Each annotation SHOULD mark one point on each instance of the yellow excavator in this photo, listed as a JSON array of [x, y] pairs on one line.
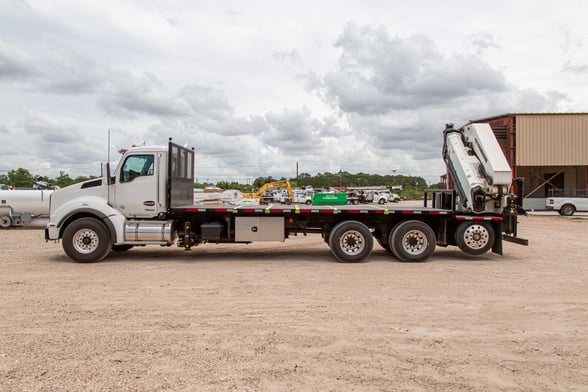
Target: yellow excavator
[[265, 196]]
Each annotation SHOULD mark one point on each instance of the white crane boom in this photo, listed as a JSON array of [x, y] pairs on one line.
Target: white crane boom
[[478, 166]]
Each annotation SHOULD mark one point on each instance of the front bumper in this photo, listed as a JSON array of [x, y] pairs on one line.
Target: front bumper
[[51, 232]]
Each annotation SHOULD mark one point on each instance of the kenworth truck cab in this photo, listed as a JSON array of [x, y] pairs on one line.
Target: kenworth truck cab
[[131, 207]]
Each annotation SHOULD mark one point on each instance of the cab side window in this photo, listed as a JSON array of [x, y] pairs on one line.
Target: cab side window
[[137, 166]]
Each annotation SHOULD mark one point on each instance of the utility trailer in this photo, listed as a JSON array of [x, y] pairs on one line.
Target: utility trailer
[[149, 201]]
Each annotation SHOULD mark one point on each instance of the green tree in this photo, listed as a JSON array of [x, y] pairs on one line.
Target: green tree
[[231, 185], [260, 181], [438, 185], [20, 178], [304, 179], [63, 180]]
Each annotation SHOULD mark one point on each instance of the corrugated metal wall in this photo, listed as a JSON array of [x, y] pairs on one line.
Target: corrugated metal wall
[[552, 139]]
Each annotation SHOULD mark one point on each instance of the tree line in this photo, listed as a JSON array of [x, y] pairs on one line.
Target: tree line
[[404, 185], [22, 178]]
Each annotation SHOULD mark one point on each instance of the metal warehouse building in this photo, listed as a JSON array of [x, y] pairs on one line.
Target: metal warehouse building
[[550, 150]]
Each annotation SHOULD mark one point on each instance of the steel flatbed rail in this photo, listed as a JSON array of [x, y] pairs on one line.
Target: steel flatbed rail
[[304, 209], [327, 209]]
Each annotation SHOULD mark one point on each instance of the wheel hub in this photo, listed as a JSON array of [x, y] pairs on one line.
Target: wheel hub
[[352, 242], [415, 242], [85, 241], [476, 236]]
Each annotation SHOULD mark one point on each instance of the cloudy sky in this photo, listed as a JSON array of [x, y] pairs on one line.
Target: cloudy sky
[[256, 86]]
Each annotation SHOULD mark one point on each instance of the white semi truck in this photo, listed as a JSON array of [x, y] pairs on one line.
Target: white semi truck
[[148, 200]]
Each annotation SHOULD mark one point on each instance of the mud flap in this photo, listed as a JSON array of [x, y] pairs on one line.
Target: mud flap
[[497, 246]]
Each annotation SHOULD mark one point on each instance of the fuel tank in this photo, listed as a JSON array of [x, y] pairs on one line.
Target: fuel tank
[[33, 201]]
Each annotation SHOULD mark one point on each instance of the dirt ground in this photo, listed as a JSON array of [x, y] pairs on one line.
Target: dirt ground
[[286, 316]]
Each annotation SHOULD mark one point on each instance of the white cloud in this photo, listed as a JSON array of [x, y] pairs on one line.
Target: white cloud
[[257, 86]]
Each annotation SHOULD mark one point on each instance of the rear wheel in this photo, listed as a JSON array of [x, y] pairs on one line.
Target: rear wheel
[[86, 240], [474, 238], [567, 210], [351, 241], [412, 241]]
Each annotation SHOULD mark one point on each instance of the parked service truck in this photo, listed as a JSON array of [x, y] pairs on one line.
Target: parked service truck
[[381, 197], [148, 200]]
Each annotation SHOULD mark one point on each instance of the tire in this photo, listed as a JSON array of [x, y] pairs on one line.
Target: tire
[[5, 221], [474, 238], [86, 240], [351, 242], [121, 248], [308, 202], [381, 201], [567, 210], [412, 241]]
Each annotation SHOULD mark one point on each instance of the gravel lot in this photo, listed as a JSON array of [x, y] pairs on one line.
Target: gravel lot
[[286, 316]]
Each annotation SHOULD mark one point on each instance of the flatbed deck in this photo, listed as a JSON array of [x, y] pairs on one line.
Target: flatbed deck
[[281, 209], [303, 209]]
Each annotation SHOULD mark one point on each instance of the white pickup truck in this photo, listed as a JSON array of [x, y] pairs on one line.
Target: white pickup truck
[[566, 205]]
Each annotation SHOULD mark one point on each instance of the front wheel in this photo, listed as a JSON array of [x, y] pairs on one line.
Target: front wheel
[[412, 241], [351, 241], [567, 210], [474, 238], [86, 240]]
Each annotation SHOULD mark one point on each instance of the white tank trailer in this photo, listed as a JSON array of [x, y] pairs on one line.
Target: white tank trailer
[[27, 207]]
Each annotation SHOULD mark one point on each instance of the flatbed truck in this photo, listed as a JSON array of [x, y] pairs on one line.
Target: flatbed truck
[[148, 200]]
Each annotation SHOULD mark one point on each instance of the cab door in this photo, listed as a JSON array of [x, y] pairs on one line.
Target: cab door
[[137, 189]]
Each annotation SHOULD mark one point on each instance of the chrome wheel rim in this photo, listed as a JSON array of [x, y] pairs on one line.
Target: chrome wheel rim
[[352, 242], [85, 241], [415, 242], [476, 236]]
